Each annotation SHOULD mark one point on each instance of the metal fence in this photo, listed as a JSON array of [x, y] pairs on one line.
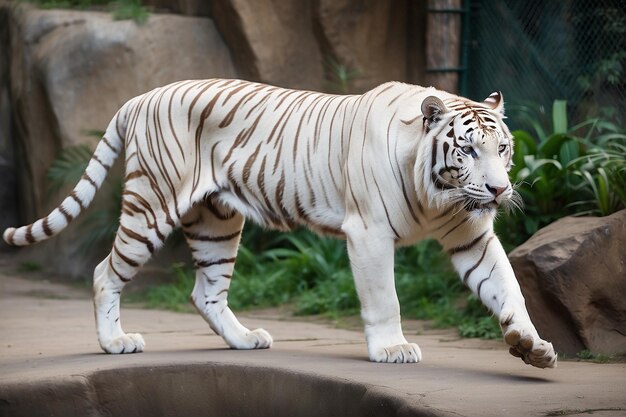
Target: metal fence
[[536, 51]]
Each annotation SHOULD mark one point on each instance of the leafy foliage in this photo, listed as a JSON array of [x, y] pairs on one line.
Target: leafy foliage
[[341, 76], [172, 296], [101, 223], [68, 166], [129, 10], [578, 170], [120, 9]]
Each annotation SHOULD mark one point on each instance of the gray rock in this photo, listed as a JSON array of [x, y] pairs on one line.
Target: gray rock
[[72, 70], [573, 276], [68, 73]]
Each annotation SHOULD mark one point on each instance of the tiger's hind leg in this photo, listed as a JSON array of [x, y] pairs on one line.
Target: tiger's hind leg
[[143, 229], [213, 235]]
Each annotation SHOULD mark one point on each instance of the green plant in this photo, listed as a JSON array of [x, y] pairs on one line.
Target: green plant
[[572, 170], [120, 9], [129, 10], [101, 223], [68, 166], [341, 76], [171, 296], [486, 327], [585, 354], [66, 4], [29, 266]]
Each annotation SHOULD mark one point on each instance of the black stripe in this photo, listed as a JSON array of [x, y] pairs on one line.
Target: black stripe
[[480, 284], [78, 200], [124, 257], [468, 246], [469, 271], [67, 215], [134, 235], [107, 143], [454, 228], [206, 264], [87, 178], [10, 237], [124, 279], [46, 227], [29, 234], [106, 167], [205, 238], [382, 200]]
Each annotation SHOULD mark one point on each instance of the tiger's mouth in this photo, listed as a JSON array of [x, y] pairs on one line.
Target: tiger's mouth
[[478, 206]]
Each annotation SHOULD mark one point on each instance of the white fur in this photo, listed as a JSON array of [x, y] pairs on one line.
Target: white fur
[[358, 167]]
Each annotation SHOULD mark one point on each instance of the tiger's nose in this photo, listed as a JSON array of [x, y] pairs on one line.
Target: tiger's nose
[[496, 191]]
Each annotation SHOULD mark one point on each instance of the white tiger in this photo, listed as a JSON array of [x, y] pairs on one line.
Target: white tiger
[[384, 169]]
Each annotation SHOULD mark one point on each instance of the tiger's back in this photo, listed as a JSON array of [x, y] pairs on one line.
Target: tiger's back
[[276, 155]]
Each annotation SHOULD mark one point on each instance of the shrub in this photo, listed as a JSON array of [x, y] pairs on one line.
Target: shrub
[[579, 170], [120, 9]]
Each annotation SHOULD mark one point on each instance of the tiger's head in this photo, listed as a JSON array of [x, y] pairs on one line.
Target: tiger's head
[[470, 155]]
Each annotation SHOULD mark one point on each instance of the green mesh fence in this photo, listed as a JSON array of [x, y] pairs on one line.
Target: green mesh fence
[[537, 51]]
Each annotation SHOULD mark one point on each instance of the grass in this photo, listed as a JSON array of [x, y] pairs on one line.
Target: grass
[[29, 266], [588, 356], [120, 9], [129, 10], [577, 411], [313, 276]]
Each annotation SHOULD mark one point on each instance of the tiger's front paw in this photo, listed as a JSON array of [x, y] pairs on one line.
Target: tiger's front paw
[[527, 345], [402, 353], [253, 339], [127, 343]]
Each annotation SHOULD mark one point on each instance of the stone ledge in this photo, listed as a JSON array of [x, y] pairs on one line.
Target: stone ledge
[[46, 340]]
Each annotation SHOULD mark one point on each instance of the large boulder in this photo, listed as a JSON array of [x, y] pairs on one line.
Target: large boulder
[[573, 276], [68, 73], [72, 70]]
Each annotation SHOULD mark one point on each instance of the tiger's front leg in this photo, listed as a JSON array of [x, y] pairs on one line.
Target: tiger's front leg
[[484, 267], [371, 254]]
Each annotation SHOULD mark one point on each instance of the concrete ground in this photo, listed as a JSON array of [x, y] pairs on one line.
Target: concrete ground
[[47, 336]]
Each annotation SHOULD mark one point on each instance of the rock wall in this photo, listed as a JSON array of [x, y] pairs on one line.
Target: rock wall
[[68, 73], [8, 170], [71, 71], [64, 73], [272, 41]]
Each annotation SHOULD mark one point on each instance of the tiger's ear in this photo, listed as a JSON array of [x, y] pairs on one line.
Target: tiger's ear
[[432, 109], [495, 101]]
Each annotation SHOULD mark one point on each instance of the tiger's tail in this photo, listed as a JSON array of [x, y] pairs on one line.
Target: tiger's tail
[[107, 151]]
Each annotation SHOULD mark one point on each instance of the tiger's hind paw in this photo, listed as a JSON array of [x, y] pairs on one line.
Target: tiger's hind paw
[[127, 343], [532, 350]]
